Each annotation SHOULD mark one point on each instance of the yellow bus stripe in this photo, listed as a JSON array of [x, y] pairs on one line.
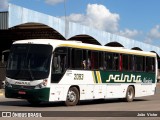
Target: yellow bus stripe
[[132, 52], [98, 76]]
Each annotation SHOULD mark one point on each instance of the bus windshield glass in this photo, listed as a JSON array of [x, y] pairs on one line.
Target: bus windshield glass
[[29, 61]]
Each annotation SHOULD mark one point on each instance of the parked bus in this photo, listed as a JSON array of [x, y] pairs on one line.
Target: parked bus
[[53, 70]]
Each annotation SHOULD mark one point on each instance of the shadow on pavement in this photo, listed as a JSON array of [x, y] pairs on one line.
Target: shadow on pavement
[[22, 103]]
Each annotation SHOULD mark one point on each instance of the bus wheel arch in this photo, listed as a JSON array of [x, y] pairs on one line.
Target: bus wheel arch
[[130, 93], [73, 96]]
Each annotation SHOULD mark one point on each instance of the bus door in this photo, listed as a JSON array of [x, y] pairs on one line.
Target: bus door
[[59, 64]]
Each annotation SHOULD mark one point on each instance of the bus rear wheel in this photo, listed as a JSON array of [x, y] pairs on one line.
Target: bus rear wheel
[[130, 94], [72, 97]]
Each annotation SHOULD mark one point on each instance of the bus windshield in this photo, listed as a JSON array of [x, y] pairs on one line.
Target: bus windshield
[[29, 61]]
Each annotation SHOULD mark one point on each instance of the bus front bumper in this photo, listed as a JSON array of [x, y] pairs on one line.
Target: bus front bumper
[[29, 94]]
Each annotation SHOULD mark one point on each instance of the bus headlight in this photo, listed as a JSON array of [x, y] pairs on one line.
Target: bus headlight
[[41, 85], [7, 84]]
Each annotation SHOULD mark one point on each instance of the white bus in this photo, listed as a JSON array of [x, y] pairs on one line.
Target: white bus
[[53, 70]]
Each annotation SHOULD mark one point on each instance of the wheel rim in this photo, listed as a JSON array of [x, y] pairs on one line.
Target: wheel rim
[[130, 94], [71, 96]]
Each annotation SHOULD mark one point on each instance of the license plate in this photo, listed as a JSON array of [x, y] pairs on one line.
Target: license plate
[[22, 92]]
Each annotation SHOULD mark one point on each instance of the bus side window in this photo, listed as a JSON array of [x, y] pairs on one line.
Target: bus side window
[[101, 60], [92, 60], [125, 63], [84, 60], [95, 60], [78, 58], [131, 63], [150, 64], [121, 62], [89, 60], [139, 63], [115, 61], [59, 63], [108, 61]]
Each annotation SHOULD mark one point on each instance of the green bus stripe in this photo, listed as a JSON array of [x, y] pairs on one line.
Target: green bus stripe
[[95, 76]]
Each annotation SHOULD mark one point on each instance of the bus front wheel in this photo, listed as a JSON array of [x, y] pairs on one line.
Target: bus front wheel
[[72, 97], [130, 94]]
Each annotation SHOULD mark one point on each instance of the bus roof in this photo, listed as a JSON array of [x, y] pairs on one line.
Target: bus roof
[[77, 44]]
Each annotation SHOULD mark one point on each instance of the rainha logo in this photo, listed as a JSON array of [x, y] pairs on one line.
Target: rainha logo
[[124, 78]]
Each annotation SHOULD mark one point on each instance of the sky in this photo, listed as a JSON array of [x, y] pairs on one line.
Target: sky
[[134, 19]]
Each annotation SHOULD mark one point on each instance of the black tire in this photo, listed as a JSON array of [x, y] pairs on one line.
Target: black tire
[[130, 94], [72, 98]]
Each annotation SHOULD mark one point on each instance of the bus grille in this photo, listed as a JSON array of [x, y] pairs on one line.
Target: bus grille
[[22, 87]]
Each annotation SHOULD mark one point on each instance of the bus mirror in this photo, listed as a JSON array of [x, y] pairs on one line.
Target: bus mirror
[[2, 59], [5, 54]]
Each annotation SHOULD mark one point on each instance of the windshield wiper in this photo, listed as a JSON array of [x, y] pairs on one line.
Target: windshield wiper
[[30, 72], [29, 66]]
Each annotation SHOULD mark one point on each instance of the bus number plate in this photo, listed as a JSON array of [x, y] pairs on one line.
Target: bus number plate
[[78, 76], [22, 92]]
